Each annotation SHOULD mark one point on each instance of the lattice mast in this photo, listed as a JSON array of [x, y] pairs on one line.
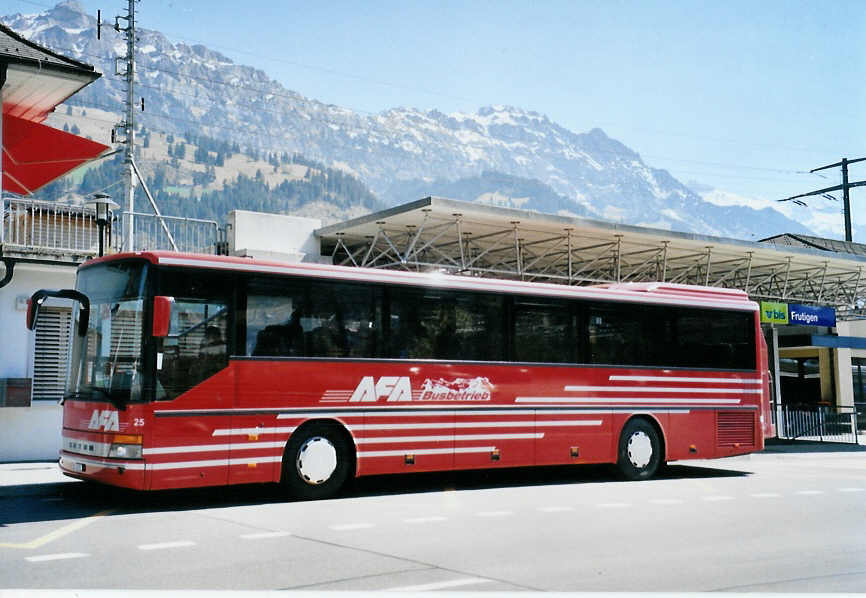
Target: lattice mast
[[125, 66]]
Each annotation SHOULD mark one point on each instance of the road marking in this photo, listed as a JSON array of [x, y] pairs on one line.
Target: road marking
[[850, 489], [56, 557], [454, 583], [555, 509], [54, 499], [766, 495], [809, 492], [425, 519], [717, 498], [613, 505], [667, 501], [263, 535], [495, 514], [350, 526], [58, 533], [161, 545]]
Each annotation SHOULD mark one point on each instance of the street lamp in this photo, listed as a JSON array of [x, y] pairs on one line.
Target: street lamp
[[103, 205]]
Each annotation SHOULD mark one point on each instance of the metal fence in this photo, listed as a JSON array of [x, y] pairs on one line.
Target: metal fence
[[822, 424], [34, 226], [190, 235]]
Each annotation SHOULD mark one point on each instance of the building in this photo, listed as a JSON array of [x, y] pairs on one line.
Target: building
[[818, 361], [40, 243]]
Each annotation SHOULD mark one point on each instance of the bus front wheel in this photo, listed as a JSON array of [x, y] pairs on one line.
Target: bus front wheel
[[640, 450], [317, 461]]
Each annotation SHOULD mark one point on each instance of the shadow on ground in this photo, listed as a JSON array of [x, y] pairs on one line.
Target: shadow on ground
[[777, 445], [75, 499]]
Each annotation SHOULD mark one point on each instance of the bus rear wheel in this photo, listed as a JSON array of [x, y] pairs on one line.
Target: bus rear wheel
[[317, 461], [640, 450]]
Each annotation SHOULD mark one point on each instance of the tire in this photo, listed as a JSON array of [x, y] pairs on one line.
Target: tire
[[640, 450], [317, 461]]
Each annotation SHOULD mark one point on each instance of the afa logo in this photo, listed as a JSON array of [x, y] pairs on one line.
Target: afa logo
[[399, 389], [106, 420], [396, 388]]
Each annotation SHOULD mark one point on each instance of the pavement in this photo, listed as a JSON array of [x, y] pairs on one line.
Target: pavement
[[25, 477]]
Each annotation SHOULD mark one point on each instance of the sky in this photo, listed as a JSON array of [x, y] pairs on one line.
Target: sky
[[745, 97]]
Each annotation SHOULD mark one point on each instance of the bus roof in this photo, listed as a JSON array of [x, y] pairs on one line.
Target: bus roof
[[643, 292]]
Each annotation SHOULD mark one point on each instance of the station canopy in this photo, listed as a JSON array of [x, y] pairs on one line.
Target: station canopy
[[33, 81], [458, 237]]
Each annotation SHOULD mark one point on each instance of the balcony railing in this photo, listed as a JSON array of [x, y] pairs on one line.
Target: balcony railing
[[30, 227], [34, 226]]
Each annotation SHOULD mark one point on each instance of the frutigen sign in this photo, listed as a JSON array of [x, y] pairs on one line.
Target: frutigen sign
[[809, 315], [795, 314]]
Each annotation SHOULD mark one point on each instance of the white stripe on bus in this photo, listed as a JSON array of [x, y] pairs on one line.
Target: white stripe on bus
[[252, 431], [447, 438], [662, 389], [204, 448], [641, 400], [684, 379], [213, 463], [447, 424], [413, 451]]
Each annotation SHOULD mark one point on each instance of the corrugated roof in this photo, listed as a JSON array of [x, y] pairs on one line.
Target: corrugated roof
[[14, 48], [476, 240], [834, 245]]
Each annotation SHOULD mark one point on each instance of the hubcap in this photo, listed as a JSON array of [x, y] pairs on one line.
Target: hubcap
[[640, 449], [317, 460]]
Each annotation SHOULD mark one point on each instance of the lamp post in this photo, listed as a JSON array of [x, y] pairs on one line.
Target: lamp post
[[103, 205]]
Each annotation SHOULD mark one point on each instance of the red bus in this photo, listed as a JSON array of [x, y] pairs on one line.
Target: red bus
[[197, 370]]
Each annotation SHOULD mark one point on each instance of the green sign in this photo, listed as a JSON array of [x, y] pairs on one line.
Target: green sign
[[774, 313]]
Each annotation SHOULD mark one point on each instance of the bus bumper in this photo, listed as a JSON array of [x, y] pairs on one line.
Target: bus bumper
[[126, 474]]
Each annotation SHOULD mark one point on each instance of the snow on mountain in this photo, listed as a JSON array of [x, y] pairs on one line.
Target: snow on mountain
[[193, 88]]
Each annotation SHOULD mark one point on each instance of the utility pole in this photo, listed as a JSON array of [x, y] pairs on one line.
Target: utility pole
[[845, 186], [128, 128]]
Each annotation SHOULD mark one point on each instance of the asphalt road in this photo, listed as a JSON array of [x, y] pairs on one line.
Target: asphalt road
[[765, 523]]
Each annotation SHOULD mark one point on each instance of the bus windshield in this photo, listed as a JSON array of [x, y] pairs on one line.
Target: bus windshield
[[106, 363]]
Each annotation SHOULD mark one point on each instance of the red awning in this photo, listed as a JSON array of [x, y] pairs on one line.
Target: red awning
[[35, 154]]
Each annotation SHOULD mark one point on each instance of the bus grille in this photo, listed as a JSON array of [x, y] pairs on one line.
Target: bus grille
[[736, 428]]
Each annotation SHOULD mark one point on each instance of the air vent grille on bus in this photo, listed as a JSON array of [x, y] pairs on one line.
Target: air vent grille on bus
[[736, 428]]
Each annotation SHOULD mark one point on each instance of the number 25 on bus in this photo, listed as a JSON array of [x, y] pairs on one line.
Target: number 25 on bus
[[194, 370]]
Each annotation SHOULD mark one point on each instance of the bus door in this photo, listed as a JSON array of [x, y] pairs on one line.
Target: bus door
[[194, 388]]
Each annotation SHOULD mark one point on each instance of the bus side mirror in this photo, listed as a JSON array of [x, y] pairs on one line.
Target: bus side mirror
[[32, 313], [162, 315], [38, 298]]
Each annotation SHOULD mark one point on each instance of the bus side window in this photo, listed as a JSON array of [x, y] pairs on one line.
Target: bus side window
[[274, 316], [615, 336], [544, 331], [195, 347]]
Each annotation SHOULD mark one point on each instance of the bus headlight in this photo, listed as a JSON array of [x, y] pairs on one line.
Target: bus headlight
[[125, 447]]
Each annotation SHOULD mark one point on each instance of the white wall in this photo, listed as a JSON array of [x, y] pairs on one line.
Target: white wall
[[273, 236], [30, 433], [27, 433], [16, 359]]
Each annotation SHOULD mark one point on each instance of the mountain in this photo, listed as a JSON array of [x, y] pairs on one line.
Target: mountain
[[192, 90], [491, 188]]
